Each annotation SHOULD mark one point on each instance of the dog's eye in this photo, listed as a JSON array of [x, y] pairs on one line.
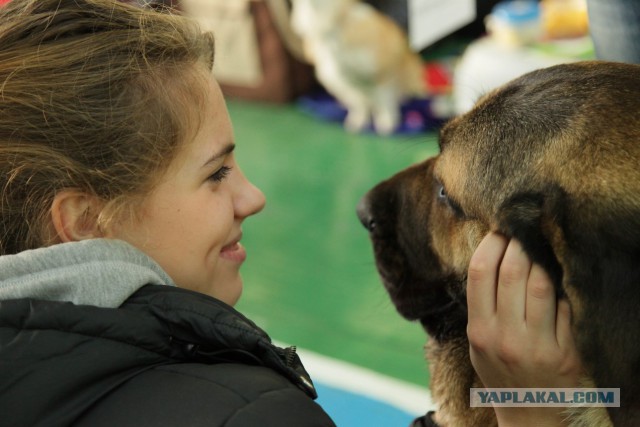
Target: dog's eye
[[442, 194], [444, 198]]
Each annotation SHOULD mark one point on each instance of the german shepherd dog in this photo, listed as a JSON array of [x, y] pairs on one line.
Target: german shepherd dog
[[552, 159]]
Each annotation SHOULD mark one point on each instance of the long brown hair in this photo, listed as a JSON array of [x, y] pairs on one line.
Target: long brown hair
[[95, 95]]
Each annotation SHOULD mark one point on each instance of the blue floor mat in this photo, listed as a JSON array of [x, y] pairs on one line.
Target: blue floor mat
[[354, 410], [416, 114]]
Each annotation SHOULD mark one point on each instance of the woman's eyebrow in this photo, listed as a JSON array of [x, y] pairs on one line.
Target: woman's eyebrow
[[228, 149]]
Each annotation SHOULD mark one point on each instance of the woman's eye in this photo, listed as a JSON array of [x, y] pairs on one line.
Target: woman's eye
[[220, 174]]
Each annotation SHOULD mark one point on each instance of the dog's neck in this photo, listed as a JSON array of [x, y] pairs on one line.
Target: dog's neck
[[448, 323]]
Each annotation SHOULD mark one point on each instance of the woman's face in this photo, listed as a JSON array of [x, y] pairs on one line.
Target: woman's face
[[191, 224]]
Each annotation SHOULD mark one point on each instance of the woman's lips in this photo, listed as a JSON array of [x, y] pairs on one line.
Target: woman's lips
[[234, 252]]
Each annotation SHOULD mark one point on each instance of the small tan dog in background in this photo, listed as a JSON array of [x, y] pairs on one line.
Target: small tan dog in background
[[361, 57]]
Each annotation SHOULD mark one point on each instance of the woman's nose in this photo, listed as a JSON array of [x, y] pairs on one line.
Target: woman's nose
[[249, 200]]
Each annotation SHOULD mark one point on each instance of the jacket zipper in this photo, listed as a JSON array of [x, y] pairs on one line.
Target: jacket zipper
[[290, 356]]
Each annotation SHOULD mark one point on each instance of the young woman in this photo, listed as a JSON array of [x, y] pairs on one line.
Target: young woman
[[121, 211]]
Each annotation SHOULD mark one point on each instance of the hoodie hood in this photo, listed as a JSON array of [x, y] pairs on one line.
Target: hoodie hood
[[98, 272]]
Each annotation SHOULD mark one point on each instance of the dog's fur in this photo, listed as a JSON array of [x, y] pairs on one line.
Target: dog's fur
[[361, 57], [552, 159]]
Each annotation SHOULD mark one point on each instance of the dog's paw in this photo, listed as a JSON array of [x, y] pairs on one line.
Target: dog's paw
[[356, 121], [385, 123]]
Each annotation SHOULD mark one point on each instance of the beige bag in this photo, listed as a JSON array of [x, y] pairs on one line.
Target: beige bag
[[237, 56], [253, 50]]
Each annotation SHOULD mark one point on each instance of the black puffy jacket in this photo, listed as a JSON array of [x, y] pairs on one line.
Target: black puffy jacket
[[166, 357]]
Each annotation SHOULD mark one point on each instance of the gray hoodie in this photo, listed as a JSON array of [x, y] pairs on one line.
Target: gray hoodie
[[99, 272]]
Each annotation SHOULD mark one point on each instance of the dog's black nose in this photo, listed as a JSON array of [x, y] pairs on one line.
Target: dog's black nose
[[364, 214]]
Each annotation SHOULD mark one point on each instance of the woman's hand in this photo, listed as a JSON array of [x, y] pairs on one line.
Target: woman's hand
[[519, 335]]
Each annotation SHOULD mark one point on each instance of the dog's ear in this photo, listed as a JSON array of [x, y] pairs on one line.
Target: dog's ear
[[532, 218]]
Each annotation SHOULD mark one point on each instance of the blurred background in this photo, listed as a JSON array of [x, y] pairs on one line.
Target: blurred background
[[310, 279]]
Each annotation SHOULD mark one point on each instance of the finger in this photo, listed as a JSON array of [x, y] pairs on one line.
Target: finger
[[540, 308], [483, 276], [512, 285]]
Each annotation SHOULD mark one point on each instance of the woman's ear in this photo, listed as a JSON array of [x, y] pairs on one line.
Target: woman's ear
[[75, 216]]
